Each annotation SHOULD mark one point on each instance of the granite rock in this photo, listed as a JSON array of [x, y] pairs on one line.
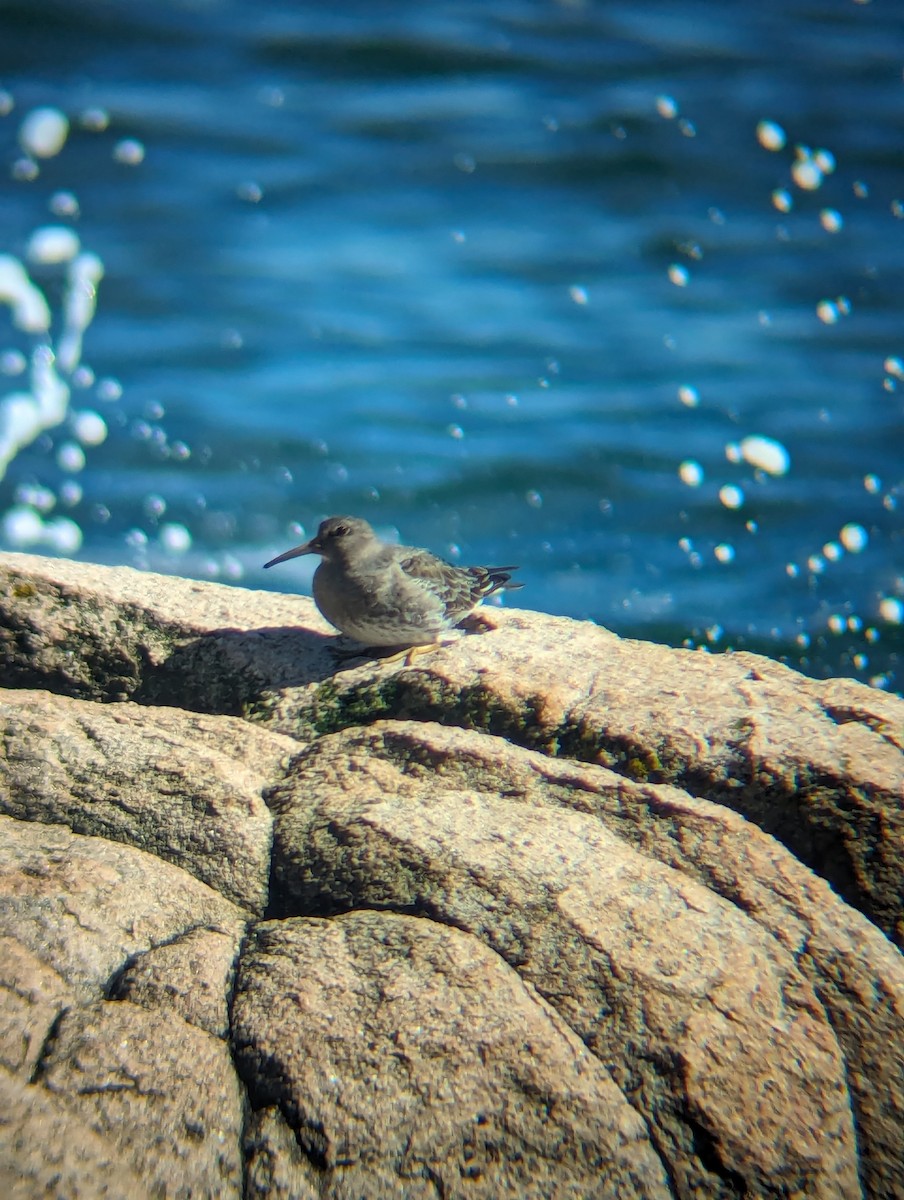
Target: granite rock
[[545, 912]]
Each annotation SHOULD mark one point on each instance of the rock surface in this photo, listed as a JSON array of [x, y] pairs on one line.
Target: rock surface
[[148, 778], [412, 1061], [91, 1082], [546, 913]]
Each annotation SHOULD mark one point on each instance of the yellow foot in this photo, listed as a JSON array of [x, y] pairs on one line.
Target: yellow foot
[[408, 653], [416, 650]]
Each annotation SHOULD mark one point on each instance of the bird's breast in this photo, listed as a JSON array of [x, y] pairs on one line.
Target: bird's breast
[[378, 607]]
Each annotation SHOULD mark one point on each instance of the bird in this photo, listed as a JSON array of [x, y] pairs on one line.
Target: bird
[[391, 596]]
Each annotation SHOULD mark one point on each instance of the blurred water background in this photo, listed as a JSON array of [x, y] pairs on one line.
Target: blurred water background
[[611, 290]]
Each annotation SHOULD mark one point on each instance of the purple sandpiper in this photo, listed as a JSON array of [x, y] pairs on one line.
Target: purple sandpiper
[[384, 595]]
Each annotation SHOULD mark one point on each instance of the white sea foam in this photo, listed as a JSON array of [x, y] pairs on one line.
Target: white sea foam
[[44, 131], [25, 415], [765, 453]]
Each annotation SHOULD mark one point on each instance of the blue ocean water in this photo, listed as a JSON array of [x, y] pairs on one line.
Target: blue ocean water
[[614, 291]]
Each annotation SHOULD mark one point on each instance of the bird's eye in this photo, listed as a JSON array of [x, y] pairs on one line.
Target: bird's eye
[[339, 530]]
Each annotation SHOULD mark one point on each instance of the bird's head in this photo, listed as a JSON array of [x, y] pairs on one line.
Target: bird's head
[[335, 540]]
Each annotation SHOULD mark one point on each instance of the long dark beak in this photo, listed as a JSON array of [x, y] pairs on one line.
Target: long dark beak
[[311, 547]]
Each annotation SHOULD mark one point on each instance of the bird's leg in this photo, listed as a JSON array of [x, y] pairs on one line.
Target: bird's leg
[[408, 653], [414, 651]]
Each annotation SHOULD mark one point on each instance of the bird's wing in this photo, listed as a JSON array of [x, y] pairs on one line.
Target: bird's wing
[[459, 589], [453, 587]]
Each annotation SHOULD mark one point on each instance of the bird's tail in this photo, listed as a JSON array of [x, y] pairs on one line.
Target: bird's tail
[[495, 579]]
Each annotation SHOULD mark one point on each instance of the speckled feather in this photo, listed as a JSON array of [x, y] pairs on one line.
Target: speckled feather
[[461, 589]]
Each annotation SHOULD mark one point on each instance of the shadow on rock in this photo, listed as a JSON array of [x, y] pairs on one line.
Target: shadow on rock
[[227, 670]]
